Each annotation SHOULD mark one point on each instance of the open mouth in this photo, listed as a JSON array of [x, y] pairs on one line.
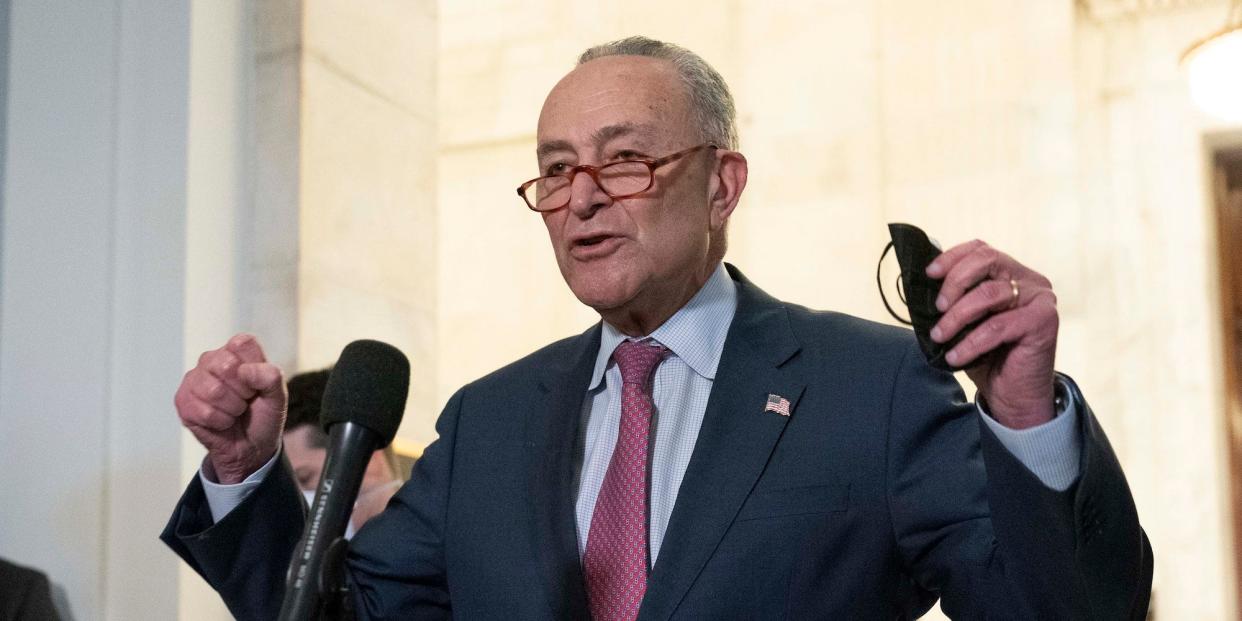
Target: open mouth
[[591, 241], [595, 246]]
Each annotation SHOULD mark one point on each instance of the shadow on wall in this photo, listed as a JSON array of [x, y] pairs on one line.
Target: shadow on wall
[[60, 599]]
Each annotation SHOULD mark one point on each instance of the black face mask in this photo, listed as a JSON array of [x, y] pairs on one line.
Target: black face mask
[[918, 290]]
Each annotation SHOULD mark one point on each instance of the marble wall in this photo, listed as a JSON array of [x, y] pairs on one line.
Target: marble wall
[[1151, 283], [367, 173]]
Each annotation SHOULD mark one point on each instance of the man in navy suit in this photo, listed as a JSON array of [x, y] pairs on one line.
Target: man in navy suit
[[767, 461]]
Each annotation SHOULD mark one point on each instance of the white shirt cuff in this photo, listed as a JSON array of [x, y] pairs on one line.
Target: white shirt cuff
[[222, 499], [1051, 451]]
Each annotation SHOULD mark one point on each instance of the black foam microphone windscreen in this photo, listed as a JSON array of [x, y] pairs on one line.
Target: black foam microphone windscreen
[[368, 386], [361, 410]]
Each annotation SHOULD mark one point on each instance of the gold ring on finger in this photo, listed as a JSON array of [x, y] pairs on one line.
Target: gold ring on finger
[[1013, 289]]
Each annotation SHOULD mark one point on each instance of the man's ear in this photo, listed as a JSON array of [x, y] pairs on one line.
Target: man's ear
[[727, 183]]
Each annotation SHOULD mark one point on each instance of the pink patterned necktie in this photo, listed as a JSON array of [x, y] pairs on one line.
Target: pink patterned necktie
[[616, 551]]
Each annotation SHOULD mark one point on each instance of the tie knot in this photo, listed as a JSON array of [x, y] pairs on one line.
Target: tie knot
[[636, 360]]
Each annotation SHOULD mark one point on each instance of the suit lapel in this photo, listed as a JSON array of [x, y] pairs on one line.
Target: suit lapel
[[733, 446], [553, 433]]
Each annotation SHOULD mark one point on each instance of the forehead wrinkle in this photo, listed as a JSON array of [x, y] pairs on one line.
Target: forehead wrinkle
[[643, 131]]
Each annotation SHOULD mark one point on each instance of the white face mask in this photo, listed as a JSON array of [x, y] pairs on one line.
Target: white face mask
[[309, 495]]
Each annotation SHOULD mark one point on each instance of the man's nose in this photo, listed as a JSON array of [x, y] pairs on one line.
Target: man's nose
[[585, 195]]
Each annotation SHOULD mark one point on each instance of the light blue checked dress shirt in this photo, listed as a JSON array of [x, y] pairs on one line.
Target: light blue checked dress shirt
[[695, 336]]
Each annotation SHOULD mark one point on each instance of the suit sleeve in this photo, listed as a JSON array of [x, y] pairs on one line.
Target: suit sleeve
[[1103, 550], [395, 563], [397, 560], [977, 529], [37, 601], [25, 594], [245, 555]]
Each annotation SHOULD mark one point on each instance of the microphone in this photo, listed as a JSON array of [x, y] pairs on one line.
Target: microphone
[[362, 407]]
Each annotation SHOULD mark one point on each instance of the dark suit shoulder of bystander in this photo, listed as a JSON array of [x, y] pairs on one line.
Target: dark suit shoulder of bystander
[[25, 594]]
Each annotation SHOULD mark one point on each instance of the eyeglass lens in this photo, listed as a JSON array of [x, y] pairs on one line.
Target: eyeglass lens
[[616, 179]]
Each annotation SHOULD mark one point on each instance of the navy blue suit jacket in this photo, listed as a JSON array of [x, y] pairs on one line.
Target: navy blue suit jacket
[[882, 492]]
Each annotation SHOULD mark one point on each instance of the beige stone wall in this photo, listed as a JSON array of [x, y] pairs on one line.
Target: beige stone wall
[[1058, 131], [1149, 267], [368, 242]]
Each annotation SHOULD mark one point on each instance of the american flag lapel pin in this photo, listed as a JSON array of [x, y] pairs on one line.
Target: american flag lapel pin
[[778, 404]]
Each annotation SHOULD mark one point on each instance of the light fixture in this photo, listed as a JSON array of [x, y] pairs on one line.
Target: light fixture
[[1214, 68]]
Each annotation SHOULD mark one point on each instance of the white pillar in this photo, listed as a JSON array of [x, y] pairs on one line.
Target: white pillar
[[91, 290], [128, 244]]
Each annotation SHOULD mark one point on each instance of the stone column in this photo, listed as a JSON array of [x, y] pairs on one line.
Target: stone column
[[367, 264]]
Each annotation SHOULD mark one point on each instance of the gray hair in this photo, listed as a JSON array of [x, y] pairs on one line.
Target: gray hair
[[709, 95]]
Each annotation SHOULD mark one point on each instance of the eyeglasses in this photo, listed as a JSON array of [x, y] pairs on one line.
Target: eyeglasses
[[618, 180]]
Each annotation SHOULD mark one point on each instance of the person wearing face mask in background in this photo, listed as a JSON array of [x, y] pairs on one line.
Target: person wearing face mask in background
[[306, 447]]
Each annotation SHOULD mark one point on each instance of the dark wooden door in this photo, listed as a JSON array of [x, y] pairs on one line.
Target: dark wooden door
[[1228, 193]]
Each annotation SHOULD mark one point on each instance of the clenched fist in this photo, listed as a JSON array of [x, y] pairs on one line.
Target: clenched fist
[[234, 403]]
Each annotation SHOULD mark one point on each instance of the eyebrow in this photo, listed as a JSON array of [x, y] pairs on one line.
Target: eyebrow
[[644, 131]]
